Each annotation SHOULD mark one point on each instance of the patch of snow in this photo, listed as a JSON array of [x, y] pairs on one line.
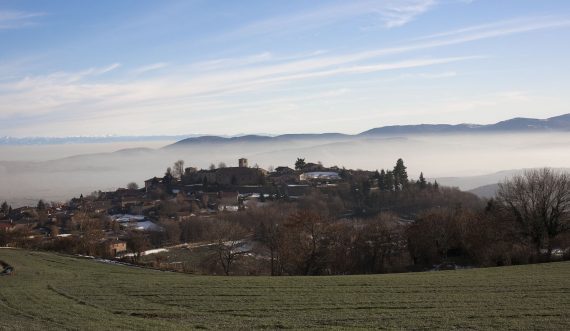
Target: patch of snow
[[124, 218], [149, 252], [144, 226], [155, 251]]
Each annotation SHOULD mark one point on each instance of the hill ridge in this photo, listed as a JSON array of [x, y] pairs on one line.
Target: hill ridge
[[516, 124]]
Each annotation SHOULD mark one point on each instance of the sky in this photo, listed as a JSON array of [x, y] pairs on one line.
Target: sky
[[136, 67]]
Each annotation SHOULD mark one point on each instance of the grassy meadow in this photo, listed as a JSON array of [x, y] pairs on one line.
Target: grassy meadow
[[56, 292]]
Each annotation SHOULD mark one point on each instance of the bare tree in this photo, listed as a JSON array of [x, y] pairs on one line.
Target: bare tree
[[178, 169], [539, 200], [90, 233], [137, 243], [222, 165], [229, 243], [172, 230], [303, 243], [384, 239]]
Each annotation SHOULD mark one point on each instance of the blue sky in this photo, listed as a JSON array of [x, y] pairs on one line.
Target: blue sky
[[229, 67]]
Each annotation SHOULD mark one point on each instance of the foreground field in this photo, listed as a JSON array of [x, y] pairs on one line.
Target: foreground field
[[53, 292]]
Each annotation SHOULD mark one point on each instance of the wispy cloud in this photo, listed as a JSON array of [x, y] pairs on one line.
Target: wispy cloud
[[61, 77], [11, 19], [449, 38], [386, 13], [150, 67], [506, 25], [234, 62], [399, 13], [101, 71], [430, 75]]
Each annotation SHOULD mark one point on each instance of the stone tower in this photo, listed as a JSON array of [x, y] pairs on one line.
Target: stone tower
[[242, 163]]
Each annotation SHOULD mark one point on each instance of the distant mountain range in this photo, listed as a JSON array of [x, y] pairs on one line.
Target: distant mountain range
[[518, 124], [553, 124], [8, 140]]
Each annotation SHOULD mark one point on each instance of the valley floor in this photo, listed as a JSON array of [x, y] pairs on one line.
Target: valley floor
[[57, 292]]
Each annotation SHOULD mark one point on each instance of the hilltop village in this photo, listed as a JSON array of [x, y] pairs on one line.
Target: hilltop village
[[185, 192], [230, 188], [181, 194], [112, 219], [306, 220]]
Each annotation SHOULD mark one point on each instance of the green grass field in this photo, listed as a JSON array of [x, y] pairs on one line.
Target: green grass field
[[55, 292]]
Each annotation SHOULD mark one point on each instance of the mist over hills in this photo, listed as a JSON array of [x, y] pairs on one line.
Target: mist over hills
[[461, 155], [484, 186], [519, 124], [522, 125]]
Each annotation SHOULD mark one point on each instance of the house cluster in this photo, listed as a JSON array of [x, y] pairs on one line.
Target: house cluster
[[195, 192], [232, 186], [53, 224]]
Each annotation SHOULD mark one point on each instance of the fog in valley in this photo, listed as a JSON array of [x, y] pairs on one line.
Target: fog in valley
[[59, 172]]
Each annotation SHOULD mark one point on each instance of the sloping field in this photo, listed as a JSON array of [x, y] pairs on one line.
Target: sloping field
[[54, 292]]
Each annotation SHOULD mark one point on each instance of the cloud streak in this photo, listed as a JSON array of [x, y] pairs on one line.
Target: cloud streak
[[150, 67], [11, 19], [387, 14]]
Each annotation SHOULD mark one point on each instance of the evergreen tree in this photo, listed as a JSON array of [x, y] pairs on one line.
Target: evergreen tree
[[389, 181], [376, 174], [4, 207], [435, 185], [382, 180], [41, 205], [300, 163], [400, 175], [422, 181]]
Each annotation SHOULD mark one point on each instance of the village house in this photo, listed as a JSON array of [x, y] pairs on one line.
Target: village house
[[7, 226], [114, 247]]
